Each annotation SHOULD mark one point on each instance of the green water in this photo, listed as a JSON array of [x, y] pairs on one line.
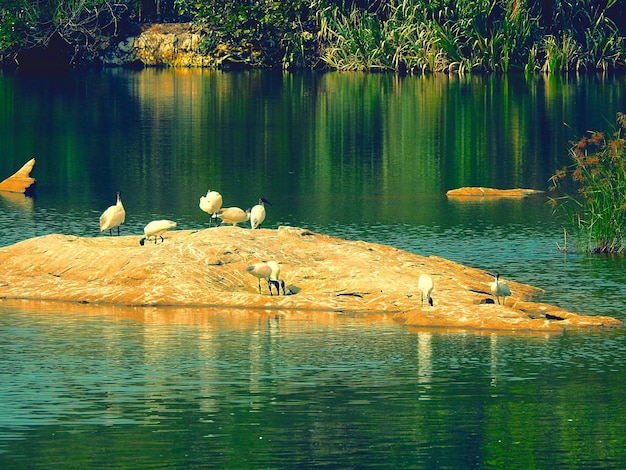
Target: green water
[[354, 155]]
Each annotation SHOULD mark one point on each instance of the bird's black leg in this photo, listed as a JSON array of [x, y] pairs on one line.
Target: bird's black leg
[[269, 286], [282, 283], [259, 286], [162, 239], [118, 230]]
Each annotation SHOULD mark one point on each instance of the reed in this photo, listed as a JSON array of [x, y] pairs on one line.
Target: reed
[[602, 42], [476, 35], [353, 41], [422, 36], [532, 61], [561, 55], [598, 212]]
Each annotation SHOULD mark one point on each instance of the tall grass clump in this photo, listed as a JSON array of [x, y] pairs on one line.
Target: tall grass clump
[[597, 214], [561, 55], [602, 40], [425, 36], [582, 36], [354, 41], [496, 35]]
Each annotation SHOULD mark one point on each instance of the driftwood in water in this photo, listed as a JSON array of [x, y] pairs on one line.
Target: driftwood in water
[[21, 181]]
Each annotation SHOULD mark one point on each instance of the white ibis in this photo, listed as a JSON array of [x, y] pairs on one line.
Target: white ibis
[[156, 229], [257, 214], [269, 271], [211, 203], [500, 289], [274, 279], [233, 215], [425, 284], [113, 217]]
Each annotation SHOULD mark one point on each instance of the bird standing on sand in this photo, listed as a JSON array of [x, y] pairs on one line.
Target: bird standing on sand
[[156, 229], [269, 271], [211, 203], [257, 214], [233, 215], [274, 279], [500, 289], [113, 217], [426, 285]]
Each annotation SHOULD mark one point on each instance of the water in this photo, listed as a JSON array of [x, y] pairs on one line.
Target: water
[[170, 389], [358, 156]]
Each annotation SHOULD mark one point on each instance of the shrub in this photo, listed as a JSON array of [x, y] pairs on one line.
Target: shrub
[[598, 212]]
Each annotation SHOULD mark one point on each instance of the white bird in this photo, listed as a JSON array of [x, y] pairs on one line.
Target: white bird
[[257, 214], [234, 215], [211, 203], [270, 271], [500, 289], [113, 217], [425, 284], [274, 279], [156, 229]]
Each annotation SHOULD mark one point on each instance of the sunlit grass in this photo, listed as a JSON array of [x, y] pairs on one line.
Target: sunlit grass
[[419, 36]]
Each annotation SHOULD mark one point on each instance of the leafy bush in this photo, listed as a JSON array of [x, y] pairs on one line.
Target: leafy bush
[[82, 26], [266, 32], [13, 23]]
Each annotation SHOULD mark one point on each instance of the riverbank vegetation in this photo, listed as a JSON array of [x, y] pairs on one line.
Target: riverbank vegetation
[[414, 36], [597, 213]]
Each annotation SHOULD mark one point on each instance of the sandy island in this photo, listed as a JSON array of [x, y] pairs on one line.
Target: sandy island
[[207, 269]]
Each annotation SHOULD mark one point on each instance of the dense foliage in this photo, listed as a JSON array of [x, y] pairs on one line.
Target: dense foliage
[[79, 28], [396, 35], [598, 212]]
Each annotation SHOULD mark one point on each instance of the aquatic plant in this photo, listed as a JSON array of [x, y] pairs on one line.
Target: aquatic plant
[[416, 35], [602, 40], [561, 54], [583, 36], [597, 213]]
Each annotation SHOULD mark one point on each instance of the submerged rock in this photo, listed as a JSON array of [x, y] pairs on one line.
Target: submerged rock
[[207, 269], [477, 191]]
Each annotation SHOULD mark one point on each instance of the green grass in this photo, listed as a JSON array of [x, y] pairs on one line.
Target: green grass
[[470, 36]]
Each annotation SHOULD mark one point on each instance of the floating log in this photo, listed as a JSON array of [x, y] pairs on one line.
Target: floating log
[[207, 269], [477, 191], [21, 181]]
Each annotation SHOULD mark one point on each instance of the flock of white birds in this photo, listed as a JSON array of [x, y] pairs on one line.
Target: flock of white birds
[[115, 215]]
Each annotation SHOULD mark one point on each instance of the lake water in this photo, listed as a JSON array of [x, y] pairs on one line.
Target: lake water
[[361, 156]]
